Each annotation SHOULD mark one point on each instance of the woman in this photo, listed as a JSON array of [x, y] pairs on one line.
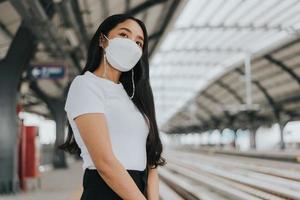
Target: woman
[[111, 115]]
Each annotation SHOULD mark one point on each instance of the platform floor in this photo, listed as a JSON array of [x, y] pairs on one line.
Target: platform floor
[[60, 184]]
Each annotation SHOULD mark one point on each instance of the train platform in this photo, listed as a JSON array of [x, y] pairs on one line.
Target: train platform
[[190, 175], [65, 184], [58, 184]]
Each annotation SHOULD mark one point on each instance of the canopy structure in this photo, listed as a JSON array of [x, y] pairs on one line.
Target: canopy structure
[[63, 29], [198, 73]]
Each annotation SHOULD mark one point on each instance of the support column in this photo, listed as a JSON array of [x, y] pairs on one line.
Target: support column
[[234, 138], [221, 138], [282, 121], [281, 142], [253, 138], [11, 67], [219, 144], [59, 157], [56, 107], [282, 124], [209, 138]]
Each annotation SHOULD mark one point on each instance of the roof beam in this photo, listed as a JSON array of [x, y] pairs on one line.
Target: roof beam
[[292, 99], [212, 64], [164, 24], [6, 31], [264, 91], [35, 17], [79, 19], [230, 91], [155, 35], [216, 101], [73, 20], [284, 67], [205, 50], [208, 111], [41, 94], [285, 46], [28, 105], [144, 6], [105, 8], [127, 5], [239, 27]]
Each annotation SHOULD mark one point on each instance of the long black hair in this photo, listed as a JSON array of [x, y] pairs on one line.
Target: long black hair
[[143, 97]]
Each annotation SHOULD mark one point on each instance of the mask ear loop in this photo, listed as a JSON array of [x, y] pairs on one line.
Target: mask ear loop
[[105, 65], [104, 58], [132, 78]]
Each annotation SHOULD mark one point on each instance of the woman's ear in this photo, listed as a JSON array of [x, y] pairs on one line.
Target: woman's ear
[[101, 40]]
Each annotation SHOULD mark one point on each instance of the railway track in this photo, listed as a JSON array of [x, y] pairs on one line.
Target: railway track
[[200, 176]]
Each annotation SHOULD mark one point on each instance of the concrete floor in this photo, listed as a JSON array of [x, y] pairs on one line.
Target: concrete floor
[[61, 184]]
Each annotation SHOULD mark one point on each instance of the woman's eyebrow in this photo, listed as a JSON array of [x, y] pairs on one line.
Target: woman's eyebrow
[[128, 30]]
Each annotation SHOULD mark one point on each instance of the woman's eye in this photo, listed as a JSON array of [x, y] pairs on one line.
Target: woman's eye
[[123, 34], [140, 44]]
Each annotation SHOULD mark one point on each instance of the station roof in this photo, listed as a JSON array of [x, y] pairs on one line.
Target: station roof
[[64, 28], [198, 52], [198, 72]]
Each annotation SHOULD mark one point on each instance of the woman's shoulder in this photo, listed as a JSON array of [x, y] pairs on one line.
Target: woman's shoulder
[[86, 84], [84, 81], [83, 98], [78, 83]]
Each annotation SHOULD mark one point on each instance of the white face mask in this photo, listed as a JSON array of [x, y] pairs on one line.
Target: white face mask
[[122, 53]]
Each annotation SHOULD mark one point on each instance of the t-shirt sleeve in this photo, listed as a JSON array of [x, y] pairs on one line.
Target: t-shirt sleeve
[[82, 99]]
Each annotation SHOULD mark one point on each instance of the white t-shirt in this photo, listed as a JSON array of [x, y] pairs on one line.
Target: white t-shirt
[[128, 130]]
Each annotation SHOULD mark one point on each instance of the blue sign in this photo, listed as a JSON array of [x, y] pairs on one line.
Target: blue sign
[[46, 71]]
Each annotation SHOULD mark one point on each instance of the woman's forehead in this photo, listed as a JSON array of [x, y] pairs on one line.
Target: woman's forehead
[[132, 27]]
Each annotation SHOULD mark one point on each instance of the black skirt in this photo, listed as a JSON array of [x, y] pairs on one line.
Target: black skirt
[[95, 188]]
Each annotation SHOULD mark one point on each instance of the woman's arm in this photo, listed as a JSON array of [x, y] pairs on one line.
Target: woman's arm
[[94, 132], [153, 185]]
